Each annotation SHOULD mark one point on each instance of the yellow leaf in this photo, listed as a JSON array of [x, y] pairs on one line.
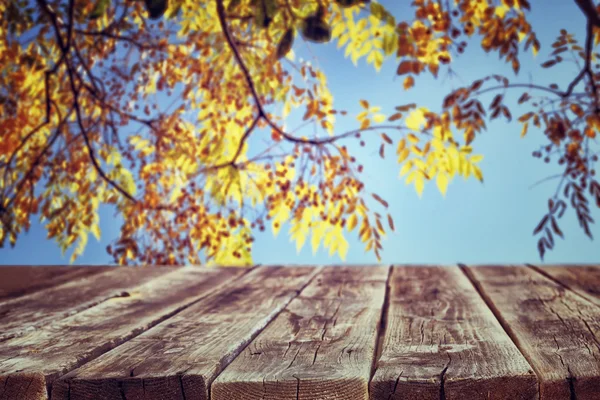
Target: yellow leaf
[[362, 115], [405, 168], [333, 247], [415, 119], [352, 221], [365, 124], [477, 172], [300, 242], [442, 182], [379, 118], [403, 155], [476, 158], [401, 146], [276, 227], [502, 10], [419, 184], [317, 234], [95, 229], [343, 248]]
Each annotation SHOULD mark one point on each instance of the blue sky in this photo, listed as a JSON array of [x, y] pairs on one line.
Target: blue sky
[[474, 223]]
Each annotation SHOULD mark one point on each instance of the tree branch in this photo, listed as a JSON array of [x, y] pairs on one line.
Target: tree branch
[[248, 78], [593, 20], [588, 8]]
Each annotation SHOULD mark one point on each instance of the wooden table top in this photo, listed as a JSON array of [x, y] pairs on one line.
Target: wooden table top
[[300, 333]]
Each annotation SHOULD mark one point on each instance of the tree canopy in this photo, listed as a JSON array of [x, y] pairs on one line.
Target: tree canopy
[[149, 106]]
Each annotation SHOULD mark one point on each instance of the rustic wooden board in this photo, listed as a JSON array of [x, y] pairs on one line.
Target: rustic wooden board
[[20, 280], [36, 359], [583, 280], [179, 358], [555, 329], [320, 347], [25, 313], [442, 342]]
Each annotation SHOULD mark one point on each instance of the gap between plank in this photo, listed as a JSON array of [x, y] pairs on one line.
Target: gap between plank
[[501, 320], [383, 321], [151, 325], [558, 282], [225, 363]]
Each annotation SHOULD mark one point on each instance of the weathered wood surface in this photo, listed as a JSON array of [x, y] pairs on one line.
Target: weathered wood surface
[[301, 333], [179, 358], [46, 306], [555, 329], [20, 280], [33, 361], [443, 342], [583, 280], [320, 347]]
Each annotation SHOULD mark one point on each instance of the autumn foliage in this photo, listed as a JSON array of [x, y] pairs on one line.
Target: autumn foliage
[[149, 106]]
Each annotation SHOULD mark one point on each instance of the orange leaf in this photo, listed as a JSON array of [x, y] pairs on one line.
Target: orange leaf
[[276, 136], [390, 222], [395, 117], [364, 103], [577, 110], [405, 67], [409, 82], [387, 139], [589, 132], [382, 201]]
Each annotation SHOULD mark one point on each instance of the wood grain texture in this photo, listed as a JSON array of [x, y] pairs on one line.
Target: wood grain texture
[[26, 313], [555, 329], [57, 348], [583, 280], [320, 347], [179, 358], [442, 342], [20, 280]]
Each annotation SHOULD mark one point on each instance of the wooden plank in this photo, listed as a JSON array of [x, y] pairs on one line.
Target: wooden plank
[[555, 329], [179, 358], [23, 314], [20, 280], [321, 346], [581, 279], [442, 342], [36, 359]]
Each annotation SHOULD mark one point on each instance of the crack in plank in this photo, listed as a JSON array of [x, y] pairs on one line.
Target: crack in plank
[[181, 387], [395, 386], [571, 380]]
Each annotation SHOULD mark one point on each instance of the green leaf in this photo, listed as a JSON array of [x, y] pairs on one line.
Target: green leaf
[[379, 12], [156, 8], [265, 12], [285, 45], [316, 30], [99, 9]]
